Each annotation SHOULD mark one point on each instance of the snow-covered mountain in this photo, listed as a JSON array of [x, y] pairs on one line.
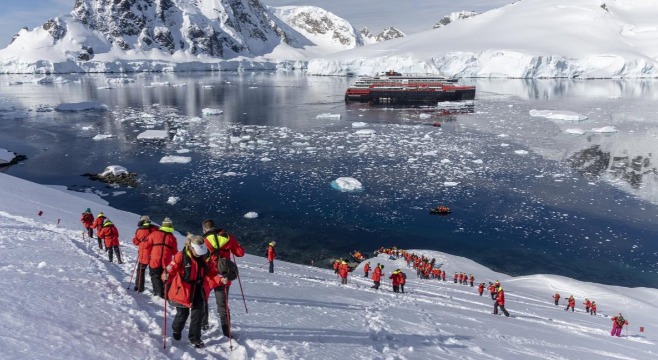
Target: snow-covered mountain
[[526, 39], [157, 35], [448, 19], [63, 299], [386, 34]]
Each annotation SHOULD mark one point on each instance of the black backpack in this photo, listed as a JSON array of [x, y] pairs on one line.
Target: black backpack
[[227, 268]]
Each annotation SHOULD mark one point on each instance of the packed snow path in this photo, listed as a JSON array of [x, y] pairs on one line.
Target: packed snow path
[[63, 299]]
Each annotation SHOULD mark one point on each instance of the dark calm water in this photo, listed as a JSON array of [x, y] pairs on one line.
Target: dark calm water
[[527, 196]]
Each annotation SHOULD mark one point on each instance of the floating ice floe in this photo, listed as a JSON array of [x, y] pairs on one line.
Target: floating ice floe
[[251, 215], [114, 170], [424, 116], [172, 200], [164, 83], [450, 183], [347, 184], [521, 152], [365, 132], [102, 137], [211, 111], [171, 159], [605, 129], [575, 131], [82, 106], [557, 115], [359, 124], [328, 116], [120, 80], [153, 135], [182, 151]]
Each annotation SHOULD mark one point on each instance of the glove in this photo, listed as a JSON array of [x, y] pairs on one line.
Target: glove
[[223, 280], [165, 276]]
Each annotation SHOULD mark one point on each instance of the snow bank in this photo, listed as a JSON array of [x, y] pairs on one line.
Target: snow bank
[[114, 170], [6, 156]]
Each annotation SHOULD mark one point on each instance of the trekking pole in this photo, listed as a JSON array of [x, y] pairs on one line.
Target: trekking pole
[[132, 273], [241, 291], [164, 338], [228, 320]]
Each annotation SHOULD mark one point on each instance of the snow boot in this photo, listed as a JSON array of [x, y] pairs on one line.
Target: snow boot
[[198, 344], [176, 336], [116, 250]]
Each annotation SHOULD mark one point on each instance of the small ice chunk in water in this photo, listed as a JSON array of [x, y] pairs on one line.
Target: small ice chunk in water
[[359, 124], [347, 184], [114, 170], [172, 200], [171, 159], [211, 111], [521, 152], [605, 129], [251, 215], [557, 115], [328, 116], [575, 131]]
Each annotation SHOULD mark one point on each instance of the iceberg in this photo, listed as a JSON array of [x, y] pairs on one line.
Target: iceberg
[[347, 184]]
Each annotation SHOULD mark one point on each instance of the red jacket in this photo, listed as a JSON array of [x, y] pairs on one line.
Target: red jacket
[[481, 288], [222, 244], [572, 302], [366, 267], [556, 297], [87, 219], [343, 269], [271, 253], [377, 274], [161, 245], [181, 290], [110, 234], [395, 278], [501, 298], [98, 223], [141, 234]]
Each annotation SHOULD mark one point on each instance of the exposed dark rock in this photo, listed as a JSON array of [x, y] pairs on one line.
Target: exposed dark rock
[[127, 180]]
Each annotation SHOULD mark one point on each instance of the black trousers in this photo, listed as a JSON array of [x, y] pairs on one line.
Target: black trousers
[[402, 288], [272, 266], [396, 288], [114, 249], [141, 277], [182, 313], [221, 299], [158, 286], [376, 286], [100, 243], [90, 232]]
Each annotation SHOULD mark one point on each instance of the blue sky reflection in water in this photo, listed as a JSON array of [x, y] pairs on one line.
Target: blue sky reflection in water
[[527, 197]]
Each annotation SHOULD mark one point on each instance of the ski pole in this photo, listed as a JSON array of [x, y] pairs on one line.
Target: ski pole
[[164, 338], [132, 273], [228, 320], [241, 291]]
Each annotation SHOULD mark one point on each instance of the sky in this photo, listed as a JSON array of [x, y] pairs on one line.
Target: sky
[[57, 285], [376, 14]]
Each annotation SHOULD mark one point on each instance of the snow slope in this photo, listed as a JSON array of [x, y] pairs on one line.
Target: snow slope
[[62, 301], [526, 39]]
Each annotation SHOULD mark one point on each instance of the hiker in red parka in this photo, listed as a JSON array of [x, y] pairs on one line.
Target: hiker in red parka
[[190, 276], [587, 304], [461, 278], [592, 311], [571, 303], [98, 224], [343, 269], [110, 234], [455, 277], [87, 220], [395, 280], [221, 245], [403, 280], [336, 266], [492, 290], [144, 229], [618, 323], [377, 276], [556, 297], [500, 302], [271, 255], [471, 279], [161, 245], [443, 275], [481, 288], [366, 269]]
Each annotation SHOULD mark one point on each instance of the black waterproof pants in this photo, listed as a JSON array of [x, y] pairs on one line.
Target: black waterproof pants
[[141, 277], [158, 286]]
